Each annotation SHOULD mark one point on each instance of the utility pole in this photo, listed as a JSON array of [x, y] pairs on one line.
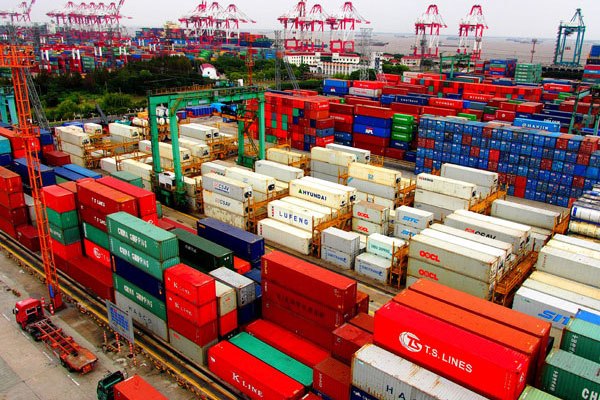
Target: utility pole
[[533, 42]]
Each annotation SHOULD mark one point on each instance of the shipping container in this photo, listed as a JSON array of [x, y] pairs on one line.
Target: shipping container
[[332, 379], [285, 235], [140, 259], [146, 319], [226, 298], [104, 199], [318, 193], [347, 340], [327, 211], [450, 187], [95, 235], [165, 150], [59, 199], [200, 253], [531, 393], [563, 293], [191, 285], [568, 376], [145, 199], [296, 216], [200, 335], [373, 266], [525, 214], [258, 182], [506, 248], [198, 131], [371, 212], [337, 239], [386, 376], [374, 174], [486, 181], [350, 192], [442, 201], [414, 217], [229, 187], [212, 167], [582, 338], [238, 221], [581, 268], [140, 296], [566, 284], [368, 228], [244, 244], [374, 189], [383, 246], [136, 388], [362, 156], [338, 258], [283, 156], [526, 229], [331, 156], [198, 315], [215, 199], [283, 173], [588, 244], [193, 352], [244, 287]]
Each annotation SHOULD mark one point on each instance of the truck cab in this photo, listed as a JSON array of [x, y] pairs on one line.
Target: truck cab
[[28, 311], [105, 388]]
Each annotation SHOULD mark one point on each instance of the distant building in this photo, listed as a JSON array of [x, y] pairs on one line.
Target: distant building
[[411, 61], [209, 71], [329, 64]]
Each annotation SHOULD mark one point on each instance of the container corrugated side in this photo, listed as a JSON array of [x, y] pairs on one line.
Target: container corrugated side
[[414, 217], [211, 167], [239, 221], [368, 228], [531, 393], [362, 156], [140, 297], [226, 203], [346, 242], [446, 186], [226, 298], [371, 212], [283, 156], [259, 182], [243, 286], [285, 235], [504, 246], [573, 249], [283, 173], [373, 266], [372, 173], [563, 293], [582, 338], [145, 318], [189, 349], [202, 253], [581, 269], [566, 284], [296, 216], [329, 212], [525, 214], [386, 376], [336, 257], [389, 203], [441, 200], [141, 260], [229, 187], [350, 191], [486, 229], [317, 193], [570, 377], [482, 178], [588, 244], [331, 156], [383, 246], [526, 229], [244, 244], [374, 189]]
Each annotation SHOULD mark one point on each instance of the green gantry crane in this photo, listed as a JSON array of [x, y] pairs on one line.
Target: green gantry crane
[[576, 27], [175, 196]]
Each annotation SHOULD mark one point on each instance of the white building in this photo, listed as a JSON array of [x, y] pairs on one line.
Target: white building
[[209, 71], [329, 64]]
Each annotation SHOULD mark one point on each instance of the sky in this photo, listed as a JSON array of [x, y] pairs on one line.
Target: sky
[[511, 18]]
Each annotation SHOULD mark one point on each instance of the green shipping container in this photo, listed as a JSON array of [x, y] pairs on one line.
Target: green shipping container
[[404, 119], [159, 210], [140, 259], [65, 236], [273, 357], [128, 177], [152, 240], [95, 235], [403, 137], [140, 297], [295, 112], [273, 124], [402, 128], [202, 254], [568, 376], [65, 220], [582, 338], [60, 179], [470, 117], [271, 139], [531, 393]]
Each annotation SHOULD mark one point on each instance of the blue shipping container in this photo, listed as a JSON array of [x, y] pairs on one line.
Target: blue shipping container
[[244, 244]]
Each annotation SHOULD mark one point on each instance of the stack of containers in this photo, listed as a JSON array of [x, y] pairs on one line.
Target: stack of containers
[[340, 247], [5, 152], [202, 254], [369, 218], [411, 221], [569, 371], [263, 186], [372, 128], [141, 253], [375, 184], [226, 199], [63, 220], [403, 129], [585, 213], [336, 87], [442, 196], [120, 133], [247, 295], [20, 167], [479, 337], [191, 301], [137, 168], [17, 142], [283, 174], [330, 165], [165, 150], [343, 115], [145, 200], [13, 211], [227, 320], [486, 182], [72, 141], [528, 73], [378, 259]]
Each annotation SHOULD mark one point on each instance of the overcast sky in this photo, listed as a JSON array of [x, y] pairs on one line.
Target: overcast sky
[[516, 18]]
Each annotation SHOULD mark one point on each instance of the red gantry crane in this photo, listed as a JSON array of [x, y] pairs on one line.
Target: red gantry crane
[[345, 22], [470, 33], [427, 30], [20, 14], [18, 59]]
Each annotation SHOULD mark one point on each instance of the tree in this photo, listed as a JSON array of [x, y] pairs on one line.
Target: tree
[[67, 109]]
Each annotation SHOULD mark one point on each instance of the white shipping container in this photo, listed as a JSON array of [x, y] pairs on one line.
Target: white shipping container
[[244, 287], [227, 186], [486, 229], [283, 156], [212, 167], [386, 376], [226, 203], [422, 270], [588, 244], [323, 168], [337, 239], [260, 183], [108, 164], [72, 149], [525, 214], [562, 293], [73, 135], [441, 200], [498, 221], [77, 160], [546, 307], [127, 131], [371, 212], [463, 260], [414, 217], [317, 193], [372, 173], [332, 156], [226, 298], [372, 266], [374, 189], [92, 129], [586, 214], [405, 232], [330, 213], [137, 168], [566, 284], [562, 263], [362, 156], [505, 247], [280, 172], [196, 147], [165, 150], [538, 238], [198, 131], [585, 229], [439, 213], [478, 177], [239, 221], [324, 177], [336, 257], [368, 228], [293, 215], [190, 187], [143, 317], [190, 349], [362, 196], [447, 186], [285, 235], [372, 93], [573, 249], [350, 191], [383, 246]]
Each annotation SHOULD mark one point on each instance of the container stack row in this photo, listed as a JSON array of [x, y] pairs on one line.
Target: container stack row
[[585, 214], [14, 215]]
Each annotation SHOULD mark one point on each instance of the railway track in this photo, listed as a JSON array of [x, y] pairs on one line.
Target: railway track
[[198, 380]]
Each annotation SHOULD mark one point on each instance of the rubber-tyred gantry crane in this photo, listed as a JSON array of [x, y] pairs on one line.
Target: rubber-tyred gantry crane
[[427, 29], [470, 32], [19, 59]]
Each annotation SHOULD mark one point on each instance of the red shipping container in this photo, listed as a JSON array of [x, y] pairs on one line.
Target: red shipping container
[[28, 236], [446, 103], [406, 108], [333, 379], [362, 302], [92, 275], [17, 142], [287, 342], [333, 290], [136, 388], [197, 314], [104, 199], [347, 340], [343, 118], [93, 217], [250, 375], [394, 153], [241, 266], [179, 225], [227, 323], [368, 84], [530, 107], [97, 253], [324, 123], [469, 360], [339, 108], [10, 181], [298, 325], [484, 98], [66, 251], [59, 199], [190, 284], [375, 149], [352, 100], [361, 138], [343, 127], [201, 335], [314, 311], [152, 219], [16, 216], [376, 112], [70, 186], [444, 112], [57, 158], [323, 141], [162, 224], [146, 200], [8, 228], [364, 321], [12, 200], [508, 116]]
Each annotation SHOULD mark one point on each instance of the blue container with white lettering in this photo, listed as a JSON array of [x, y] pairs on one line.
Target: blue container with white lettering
[[139, 278]]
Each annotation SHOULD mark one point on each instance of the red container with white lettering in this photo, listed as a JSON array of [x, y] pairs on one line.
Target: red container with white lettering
[[93, 217], [287, 342], [97, 253], [198, 315], [201, 335], [347, 340], [227, 323], [190, 284], [333, 379], [59, 199], [493, 370], [146, 200], [250, 375], [333, 290], [104, 199]]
